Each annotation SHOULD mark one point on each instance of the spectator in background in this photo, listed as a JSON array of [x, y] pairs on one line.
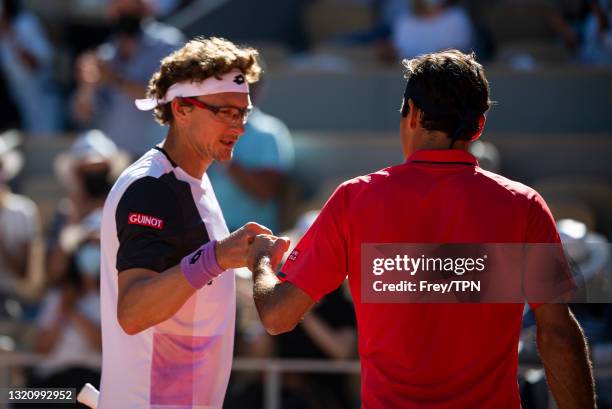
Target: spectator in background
[[597, 42], [19, 229], [248, 186], [434, 25], [26, 59], [589, 253], [68, 328], [385, 13], [117, 73], [88, 170]]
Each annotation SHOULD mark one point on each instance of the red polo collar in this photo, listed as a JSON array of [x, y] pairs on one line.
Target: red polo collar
[[443, 156]]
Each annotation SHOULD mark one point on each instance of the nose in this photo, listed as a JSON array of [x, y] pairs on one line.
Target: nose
[[237, 128]]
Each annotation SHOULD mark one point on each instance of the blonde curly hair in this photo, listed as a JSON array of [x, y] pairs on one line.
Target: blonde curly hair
[[199, 59]]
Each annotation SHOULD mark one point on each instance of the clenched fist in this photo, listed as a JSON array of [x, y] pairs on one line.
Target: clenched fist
[[266, 245], [232, 251]]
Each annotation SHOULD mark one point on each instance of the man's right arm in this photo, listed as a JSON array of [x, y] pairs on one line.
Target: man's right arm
[[149, 225], [560, 340], [139, 287], [147, 298], [564, 353]]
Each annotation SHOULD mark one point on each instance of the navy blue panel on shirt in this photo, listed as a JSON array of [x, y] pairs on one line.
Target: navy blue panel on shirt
[[158, 224]]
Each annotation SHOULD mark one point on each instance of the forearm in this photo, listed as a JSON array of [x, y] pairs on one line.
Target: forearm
[[280, 305], [152, 299], [264, 286], [568, 370]]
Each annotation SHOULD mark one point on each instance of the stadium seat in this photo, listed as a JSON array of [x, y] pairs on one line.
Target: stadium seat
[[323, 22]]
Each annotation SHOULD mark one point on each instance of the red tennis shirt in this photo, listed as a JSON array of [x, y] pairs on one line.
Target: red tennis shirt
[[426, 355]]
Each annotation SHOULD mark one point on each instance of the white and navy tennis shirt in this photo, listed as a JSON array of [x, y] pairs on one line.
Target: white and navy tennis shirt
[[154, 216]]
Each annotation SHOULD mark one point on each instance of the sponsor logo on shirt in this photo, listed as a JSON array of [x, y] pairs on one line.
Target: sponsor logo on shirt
[[294, 255], [145, 220]]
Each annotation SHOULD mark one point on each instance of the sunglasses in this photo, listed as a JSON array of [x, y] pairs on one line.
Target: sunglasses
[[230, 115]]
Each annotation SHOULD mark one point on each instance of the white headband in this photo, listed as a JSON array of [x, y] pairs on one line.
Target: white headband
[[233, 81]]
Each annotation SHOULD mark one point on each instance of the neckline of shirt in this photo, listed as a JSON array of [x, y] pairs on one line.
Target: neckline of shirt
[[443, 156], [184, 175]]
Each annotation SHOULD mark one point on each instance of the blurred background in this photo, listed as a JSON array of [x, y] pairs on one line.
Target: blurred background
[[327, 110]]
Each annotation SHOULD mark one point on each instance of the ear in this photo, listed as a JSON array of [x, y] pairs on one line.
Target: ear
[[179, 111], [414, 115], [481, 124]]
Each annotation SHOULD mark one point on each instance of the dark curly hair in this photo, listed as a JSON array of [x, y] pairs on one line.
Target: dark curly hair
[[450, 89], [198, 60]]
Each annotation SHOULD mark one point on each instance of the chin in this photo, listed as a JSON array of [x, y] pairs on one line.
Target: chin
[[224, 157]]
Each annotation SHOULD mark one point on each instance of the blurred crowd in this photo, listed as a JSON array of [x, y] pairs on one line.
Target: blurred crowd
[[85, 81], [82, 70]]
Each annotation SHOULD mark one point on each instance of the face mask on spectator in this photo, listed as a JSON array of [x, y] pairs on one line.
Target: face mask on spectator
[[96, 184], [88, 260]]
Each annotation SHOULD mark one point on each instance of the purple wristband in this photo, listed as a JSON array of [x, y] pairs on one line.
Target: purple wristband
[[201, 266]]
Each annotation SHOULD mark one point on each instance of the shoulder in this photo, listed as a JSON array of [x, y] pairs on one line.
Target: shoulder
[[142, 177], [20, 204], [371, 180], [147, 188], [355, 189], [518, 190]]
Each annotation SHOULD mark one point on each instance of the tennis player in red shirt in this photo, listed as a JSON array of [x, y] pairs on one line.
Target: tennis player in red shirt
[[415, 355]]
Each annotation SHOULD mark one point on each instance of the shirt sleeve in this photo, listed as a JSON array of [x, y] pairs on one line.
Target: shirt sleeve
[[147, 219], [318, 264], [547, 274]]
